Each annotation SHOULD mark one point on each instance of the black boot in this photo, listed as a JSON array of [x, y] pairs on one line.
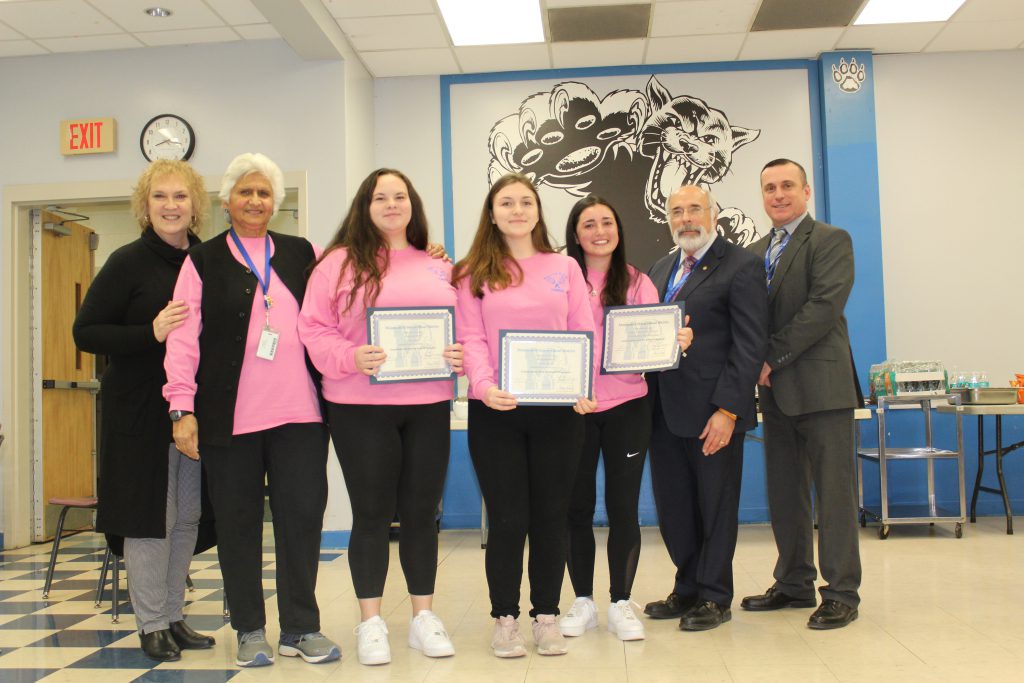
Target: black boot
[[187, 639], [160, 645]]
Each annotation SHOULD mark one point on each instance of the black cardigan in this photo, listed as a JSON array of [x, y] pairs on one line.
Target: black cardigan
[[116, 320]]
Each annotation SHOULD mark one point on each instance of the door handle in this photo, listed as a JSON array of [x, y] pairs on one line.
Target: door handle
[[88, 384]]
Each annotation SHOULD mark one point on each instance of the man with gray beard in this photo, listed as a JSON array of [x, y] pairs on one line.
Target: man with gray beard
[[703, 409]]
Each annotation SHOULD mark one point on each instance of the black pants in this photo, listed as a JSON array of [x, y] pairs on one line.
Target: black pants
[[394, 459], [622, 435], [292, 459], [698, 502], [525, 460]]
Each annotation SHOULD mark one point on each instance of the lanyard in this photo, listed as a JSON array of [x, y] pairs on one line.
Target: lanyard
[[673, 289], [265, 280]]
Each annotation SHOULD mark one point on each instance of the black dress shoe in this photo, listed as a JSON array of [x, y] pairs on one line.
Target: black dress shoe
[[832, 614], [187, 639], [671, 607], [159, 645], [773, 598], [704, 617]]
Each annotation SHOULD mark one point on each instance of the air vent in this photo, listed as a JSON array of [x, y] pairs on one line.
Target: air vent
[[779, 15], [607, 22]]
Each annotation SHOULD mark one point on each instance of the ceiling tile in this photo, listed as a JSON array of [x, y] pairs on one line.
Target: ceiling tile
[[19, 48], [554, 4], [695, 17], [805, 43], [257, 31], [377, 8], [395, 33], [990, 10], [889, 38], [480, 58], [8, 33], [188, 36], [682, 49], [130, 16], [118, 41], [597, 53], [979, 35], [52, 18], [237, 12], [410, 62]]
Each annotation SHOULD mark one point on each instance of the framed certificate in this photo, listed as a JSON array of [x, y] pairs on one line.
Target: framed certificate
[[641, 338], [414, 339], [546, 368]]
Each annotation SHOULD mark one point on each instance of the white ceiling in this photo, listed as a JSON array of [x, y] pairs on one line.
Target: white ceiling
[[408, 37]]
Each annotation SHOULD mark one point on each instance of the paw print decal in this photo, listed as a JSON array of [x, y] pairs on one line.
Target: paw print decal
[[848, 77]]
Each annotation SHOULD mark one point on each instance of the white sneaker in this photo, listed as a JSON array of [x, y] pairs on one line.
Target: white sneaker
[[547, 636], [373, 647], [427, 634], [507, 641], [581, 617], [622, 622]]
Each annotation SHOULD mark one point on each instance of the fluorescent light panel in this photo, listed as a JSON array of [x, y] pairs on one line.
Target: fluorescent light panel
[[473, 22], [907, 11]]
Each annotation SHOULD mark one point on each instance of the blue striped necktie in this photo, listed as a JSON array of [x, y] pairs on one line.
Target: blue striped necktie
[[780, 238]]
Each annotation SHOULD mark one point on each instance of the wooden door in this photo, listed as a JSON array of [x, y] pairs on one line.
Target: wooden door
[[68, 411]]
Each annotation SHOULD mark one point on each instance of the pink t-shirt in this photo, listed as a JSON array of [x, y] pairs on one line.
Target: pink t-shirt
[[331, 335], [270, 393], [613, 390], [552, 296]]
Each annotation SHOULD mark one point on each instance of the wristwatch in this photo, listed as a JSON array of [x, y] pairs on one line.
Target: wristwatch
[[178, 414]]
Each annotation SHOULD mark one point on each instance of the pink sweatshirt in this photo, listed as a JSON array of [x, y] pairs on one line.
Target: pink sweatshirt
[[270, 393], [331, 336], [613, 390], [552, 296]]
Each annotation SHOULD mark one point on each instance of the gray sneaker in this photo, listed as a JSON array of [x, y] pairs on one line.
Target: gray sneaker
[[312, 647], [253, 649]]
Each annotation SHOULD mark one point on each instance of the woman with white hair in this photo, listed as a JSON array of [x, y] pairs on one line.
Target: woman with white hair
[[237, 368]]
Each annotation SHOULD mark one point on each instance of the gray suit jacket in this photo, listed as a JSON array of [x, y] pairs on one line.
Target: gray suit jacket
[[808, 344]]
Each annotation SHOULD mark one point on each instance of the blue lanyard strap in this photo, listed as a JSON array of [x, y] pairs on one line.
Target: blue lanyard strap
[[265, 280], [671, 290]]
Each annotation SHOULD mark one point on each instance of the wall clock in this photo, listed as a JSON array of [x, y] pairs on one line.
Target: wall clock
[[167, 136]]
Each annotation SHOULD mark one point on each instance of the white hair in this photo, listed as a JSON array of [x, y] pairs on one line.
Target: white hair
[[253, 162]]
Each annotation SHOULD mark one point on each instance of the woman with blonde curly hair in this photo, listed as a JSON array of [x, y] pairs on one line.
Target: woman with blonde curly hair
[[149, 492]]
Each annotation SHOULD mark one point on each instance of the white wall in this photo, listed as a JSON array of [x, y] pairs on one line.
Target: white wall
[[252, 96], [950, 151]]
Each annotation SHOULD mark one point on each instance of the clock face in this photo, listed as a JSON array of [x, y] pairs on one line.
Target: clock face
[[167, 137]]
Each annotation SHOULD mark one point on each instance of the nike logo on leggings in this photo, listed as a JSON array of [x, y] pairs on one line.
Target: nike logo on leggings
[[630, 455]]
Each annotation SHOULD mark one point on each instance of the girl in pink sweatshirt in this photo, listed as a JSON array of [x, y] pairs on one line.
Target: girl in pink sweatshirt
[[620, 429], [525, 457], [392, 439]]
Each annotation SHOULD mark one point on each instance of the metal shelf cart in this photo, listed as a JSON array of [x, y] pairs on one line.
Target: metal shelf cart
[[925, 513]]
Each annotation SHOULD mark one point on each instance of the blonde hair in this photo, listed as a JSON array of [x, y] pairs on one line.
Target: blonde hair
[[162, 168]]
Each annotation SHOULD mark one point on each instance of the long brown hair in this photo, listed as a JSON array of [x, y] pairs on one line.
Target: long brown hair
[[367, 249], [489, 261], [618, 279]]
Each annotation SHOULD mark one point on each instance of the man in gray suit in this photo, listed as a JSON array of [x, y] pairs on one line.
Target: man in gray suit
[[808, 390]]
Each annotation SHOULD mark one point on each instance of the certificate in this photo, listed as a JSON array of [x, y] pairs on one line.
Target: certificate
[[641, 338], [546, 368], [414, 340]]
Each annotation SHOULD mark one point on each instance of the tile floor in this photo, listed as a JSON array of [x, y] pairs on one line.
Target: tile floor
[[934, 609]]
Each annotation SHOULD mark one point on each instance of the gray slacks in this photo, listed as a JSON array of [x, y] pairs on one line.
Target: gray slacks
[[799, 450], [157, 567]]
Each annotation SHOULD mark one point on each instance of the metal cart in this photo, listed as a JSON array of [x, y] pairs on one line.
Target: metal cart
[[925, 513]]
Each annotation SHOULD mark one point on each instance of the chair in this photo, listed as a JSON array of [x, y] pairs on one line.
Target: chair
[[84, 503]]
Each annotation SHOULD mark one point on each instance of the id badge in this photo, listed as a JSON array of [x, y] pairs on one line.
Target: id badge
[[268, 343]]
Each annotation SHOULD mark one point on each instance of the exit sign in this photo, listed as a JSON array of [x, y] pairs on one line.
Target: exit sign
[[87, 136]]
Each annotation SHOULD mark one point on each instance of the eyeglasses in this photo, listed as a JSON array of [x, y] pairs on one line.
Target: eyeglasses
[[696, 211]]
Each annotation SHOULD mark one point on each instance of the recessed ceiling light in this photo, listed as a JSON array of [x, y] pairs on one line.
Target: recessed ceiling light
[[159, 12], [907, 11], [471, 22]]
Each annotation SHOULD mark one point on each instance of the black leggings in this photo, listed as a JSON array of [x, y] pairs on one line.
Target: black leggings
[[525, 460], [622, 434], [394, 459]]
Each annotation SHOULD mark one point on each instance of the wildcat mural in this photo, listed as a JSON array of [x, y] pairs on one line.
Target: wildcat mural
[[633, 148]]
